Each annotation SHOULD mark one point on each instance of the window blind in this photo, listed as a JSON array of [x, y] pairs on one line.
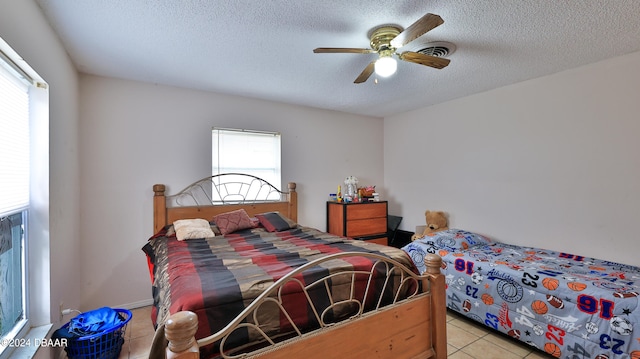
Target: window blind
[[14, 142], [245, 151]]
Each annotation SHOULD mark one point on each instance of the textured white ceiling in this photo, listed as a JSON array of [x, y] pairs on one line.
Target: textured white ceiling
[[263, 49]]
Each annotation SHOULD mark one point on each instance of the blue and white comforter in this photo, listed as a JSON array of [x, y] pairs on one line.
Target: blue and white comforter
[[567, 305]]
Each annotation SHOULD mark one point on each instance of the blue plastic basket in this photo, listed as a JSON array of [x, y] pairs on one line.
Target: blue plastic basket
[[105, 345]]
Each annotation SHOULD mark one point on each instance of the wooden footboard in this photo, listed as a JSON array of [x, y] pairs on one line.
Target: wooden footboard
[[413, 327]]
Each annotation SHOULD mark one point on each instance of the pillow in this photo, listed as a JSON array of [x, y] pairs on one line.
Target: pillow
[[230, 222], [171, 231], [275, 222], [454, 239], [192, 228], [418, 250], [215, 229]]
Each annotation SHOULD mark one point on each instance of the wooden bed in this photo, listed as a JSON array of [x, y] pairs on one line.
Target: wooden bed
[[412, 327]]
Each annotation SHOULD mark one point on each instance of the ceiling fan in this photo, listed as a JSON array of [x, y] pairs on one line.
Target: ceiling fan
[[386, 39]]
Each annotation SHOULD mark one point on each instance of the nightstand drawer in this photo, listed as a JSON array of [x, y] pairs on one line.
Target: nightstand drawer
[[360, 220], [366, 227], [382, 240], [369, 210]]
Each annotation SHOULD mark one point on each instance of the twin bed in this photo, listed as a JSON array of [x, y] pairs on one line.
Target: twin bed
[[567, 305], [264, 286]]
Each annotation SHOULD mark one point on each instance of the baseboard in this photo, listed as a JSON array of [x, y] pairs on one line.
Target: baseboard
[[138, 304]]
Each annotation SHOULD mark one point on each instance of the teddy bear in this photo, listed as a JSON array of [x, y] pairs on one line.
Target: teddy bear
[[436, 222]]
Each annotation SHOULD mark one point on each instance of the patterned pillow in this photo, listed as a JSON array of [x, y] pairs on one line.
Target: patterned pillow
[[418, 250], [451, 240], [230, 222], [454, 239], [275, 222]]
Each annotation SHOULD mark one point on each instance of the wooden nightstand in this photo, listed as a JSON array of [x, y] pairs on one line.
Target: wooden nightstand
[[363, 220]]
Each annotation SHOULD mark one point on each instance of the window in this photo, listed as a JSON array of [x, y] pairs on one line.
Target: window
[[12, 290], [245, 151], [24, 102], [14, 198], [14, 142]]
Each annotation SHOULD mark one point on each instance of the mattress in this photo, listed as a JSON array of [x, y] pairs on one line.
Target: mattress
[[217, 277]]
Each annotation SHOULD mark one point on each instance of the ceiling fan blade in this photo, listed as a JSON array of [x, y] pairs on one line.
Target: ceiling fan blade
[[417, 29], [422, 59], [341, 50], [364, 75]]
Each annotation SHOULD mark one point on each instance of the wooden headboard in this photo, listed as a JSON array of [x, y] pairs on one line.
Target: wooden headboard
[[167, 209]]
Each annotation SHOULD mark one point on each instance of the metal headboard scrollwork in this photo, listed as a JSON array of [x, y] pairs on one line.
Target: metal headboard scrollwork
[[226, 188]]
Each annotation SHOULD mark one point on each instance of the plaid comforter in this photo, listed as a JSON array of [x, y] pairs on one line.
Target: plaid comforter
[[217, 277]]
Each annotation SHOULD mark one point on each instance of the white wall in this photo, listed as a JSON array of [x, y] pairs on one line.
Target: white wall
[[23, 26], [134, 135], [552, 162]]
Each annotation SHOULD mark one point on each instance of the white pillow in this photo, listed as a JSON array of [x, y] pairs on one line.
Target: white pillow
[[192, 228]]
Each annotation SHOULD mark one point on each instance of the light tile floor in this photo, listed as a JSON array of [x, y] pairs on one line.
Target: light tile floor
[[139, 335], [466, 339]]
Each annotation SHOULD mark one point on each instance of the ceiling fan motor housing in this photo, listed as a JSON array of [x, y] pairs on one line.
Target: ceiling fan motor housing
[[381, 38]]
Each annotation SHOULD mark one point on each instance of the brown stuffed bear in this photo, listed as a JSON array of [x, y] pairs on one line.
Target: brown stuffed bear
[[436, 221]]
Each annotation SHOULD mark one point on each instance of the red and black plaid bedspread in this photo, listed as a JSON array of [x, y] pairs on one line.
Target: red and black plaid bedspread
[[217, 277]]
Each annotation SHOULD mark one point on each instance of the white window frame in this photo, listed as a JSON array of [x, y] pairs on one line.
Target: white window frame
[[37, 288], [251, 152]]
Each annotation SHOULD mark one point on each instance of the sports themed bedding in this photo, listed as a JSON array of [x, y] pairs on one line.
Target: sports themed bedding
[[216, 277], [567, 305]]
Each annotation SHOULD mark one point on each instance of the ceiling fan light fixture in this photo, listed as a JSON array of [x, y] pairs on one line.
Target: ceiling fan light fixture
[[386, 66], [385, 40]]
